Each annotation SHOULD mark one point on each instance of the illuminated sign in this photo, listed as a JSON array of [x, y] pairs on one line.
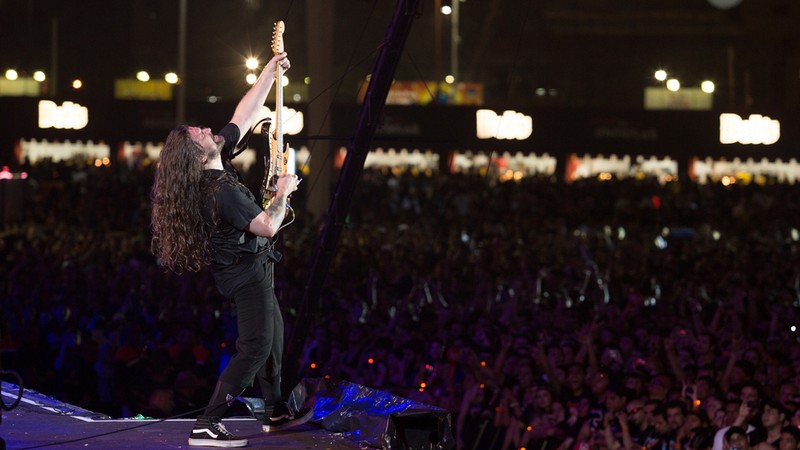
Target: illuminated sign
[[425, 92], [511, 125], [67, 116], [133, 89], [756, 129]]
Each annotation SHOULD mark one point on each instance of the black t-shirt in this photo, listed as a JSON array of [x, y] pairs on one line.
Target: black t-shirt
[[235, 208]]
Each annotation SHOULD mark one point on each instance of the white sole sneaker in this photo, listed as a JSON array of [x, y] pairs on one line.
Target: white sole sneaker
[[286, 423]]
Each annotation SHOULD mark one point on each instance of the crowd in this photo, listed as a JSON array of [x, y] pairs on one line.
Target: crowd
[[543, 315]]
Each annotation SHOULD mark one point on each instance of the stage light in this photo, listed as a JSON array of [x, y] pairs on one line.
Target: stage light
[[673, 85], [724, 4], [251, 78], [661, 75], [11, 74], [251, 63], [39, 76], [143, 76], [707, 86], [171, 78]]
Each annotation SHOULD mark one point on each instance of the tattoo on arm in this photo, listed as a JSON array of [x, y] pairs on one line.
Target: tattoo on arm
[[277, 210]]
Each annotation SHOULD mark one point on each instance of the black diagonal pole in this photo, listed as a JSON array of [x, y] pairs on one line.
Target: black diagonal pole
[[382, 75]]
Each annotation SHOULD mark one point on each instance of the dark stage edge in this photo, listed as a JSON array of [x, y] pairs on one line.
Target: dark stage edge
[[39, 421]]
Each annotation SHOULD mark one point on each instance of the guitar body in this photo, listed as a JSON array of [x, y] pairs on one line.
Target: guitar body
[[275, 163]]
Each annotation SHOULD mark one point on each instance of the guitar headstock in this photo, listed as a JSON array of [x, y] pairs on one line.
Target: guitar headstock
[[277, 37]]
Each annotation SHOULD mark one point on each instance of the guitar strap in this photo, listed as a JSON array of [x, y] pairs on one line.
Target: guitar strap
[[242, 145]]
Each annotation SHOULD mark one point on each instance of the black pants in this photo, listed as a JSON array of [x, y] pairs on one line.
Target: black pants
[[259, 347]]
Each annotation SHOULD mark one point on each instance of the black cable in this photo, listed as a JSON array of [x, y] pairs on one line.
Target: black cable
[[19, 385], [242, 145], [297, 339], [327, 113], [517, 49], [125, 429], [513, 69], [349, 67], [430, 92], [288, 8], [338, 81]]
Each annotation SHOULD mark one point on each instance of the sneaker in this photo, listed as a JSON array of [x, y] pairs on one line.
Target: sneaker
[[283, 417], [210, 432]]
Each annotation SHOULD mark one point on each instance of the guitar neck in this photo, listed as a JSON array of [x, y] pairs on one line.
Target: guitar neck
[[279, 107]]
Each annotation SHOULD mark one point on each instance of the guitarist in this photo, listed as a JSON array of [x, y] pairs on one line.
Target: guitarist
[[203, 216]]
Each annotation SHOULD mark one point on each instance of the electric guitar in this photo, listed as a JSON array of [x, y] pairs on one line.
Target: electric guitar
[[275, 162]]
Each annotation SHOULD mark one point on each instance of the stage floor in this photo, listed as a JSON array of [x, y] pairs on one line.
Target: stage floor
[[39, 421]]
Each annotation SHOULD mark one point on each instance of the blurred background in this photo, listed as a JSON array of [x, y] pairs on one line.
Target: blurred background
[[584, 53], [616, 72], [554, 184], [594, 86]]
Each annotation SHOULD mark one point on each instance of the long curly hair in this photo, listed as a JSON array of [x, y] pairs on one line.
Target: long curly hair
[[180, 234]]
